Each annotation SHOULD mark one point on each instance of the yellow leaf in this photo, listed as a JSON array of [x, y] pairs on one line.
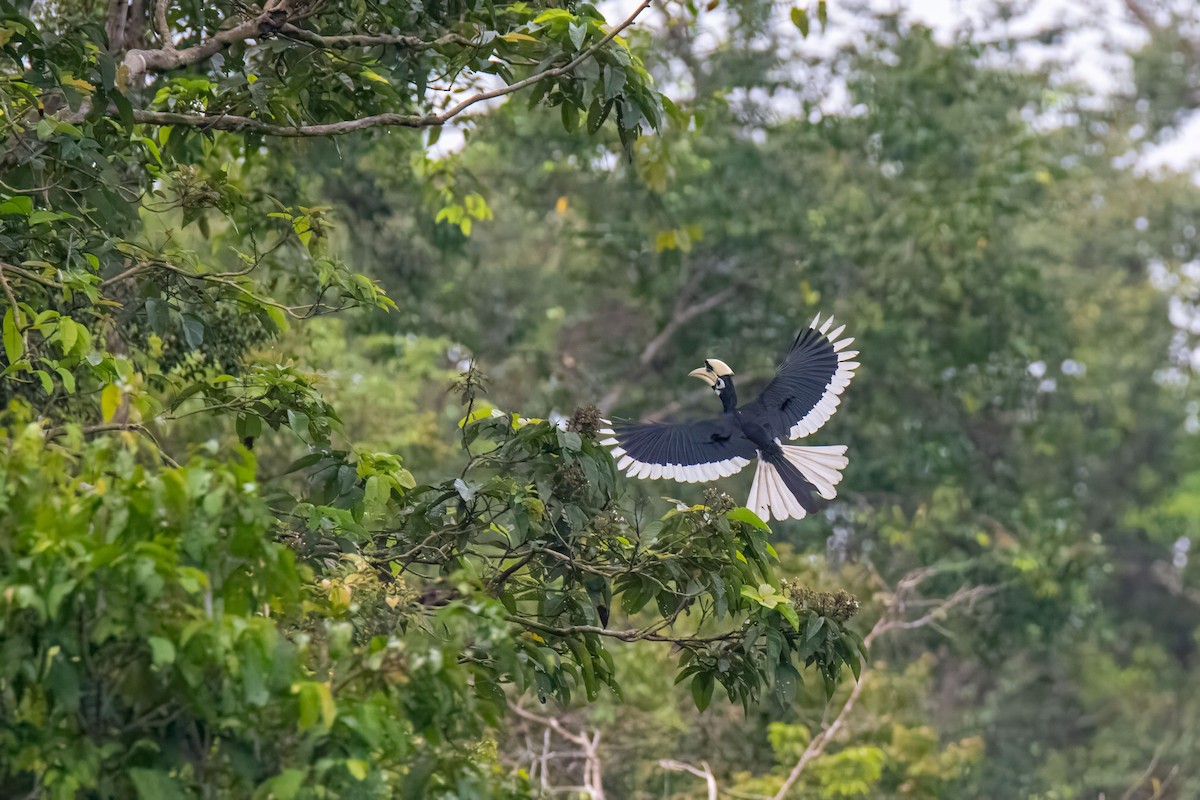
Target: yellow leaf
[[517, 37], [358, 768], [110, 399], [79, 84], [561, 206], [372, 75]]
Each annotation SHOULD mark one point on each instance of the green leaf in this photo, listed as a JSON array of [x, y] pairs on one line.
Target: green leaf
[[577, 31], [570, 116], [814, 626], [250, 425], [162, 651], [597, 114], [193, 330], [68, 334], [406, 479], [158, 314], [854, 661], [284, 786], [786, 681], [20, 206], [154, 784], [68, 379], [702, 690], [316, 704], [42, 215], [800, 20], [298, 422], [14, 344], [789, 613], [569, 440], [742, 514]]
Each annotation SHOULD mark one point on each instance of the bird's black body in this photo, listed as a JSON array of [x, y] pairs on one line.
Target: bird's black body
[[801, 397]]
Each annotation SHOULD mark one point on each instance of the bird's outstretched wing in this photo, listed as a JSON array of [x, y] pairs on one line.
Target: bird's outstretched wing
[[805, 390], [689, 452]]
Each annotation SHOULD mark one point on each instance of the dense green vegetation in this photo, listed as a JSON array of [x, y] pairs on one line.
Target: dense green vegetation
[[300, 493]]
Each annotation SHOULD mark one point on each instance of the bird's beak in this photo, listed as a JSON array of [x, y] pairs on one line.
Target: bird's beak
[[717, 367], [704, 375]]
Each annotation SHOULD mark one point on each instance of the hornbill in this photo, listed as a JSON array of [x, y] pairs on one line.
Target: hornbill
[[801, 397]]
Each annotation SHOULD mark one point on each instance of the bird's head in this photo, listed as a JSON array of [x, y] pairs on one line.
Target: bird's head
[[714, 372]]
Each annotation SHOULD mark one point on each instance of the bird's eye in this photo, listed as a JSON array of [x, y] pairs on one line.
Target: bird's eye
[[720, 384]]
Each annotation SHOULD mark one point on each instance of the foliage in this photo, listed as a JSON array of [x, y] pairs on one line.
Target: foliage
[[179, 619], [245, 551]]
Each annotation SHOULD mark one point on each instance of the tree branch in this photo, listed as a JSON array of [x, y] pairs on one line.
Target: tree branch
[[636, 635], [704, 774], [344, 41], [593, 773], [160, 24], [140, 61]]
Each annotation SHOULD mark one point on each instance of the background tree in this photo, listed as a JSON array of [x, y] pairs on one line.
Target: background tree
[[207, 588], [330, 613]]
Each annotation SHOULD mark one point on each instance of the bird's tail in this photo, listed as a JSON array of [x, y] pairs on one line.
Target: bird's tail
[[785, 482]]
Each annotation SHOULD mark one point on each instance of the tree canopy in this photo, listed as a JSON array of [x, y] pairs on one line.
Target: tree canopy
[[300, 487]]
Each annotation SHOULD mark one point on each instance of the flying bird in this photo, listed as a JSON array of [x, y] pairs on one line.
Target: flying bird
[[803, 395]]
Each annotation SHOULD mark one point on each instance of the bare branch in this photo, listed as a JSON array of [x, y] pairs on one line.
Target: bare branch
[[1145, 775], [704, 774], [593, 771], [890, 620], [682, 317]]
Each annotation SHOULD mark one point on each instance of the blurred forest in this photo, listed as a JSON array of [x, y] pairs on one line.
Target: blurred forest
[[251, 547]]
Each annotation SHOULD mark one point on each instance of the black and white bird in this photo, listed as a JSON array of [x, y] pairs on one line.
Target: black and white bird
[[803, 395]]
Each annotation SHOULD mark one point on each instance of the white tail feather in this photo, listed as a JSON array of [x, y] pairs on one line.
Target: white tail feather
[[770, 497], [820, 466]]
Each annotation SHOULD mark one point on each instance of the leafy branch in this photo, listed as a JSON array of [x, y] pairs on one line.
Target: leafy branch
[[272, 19]]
